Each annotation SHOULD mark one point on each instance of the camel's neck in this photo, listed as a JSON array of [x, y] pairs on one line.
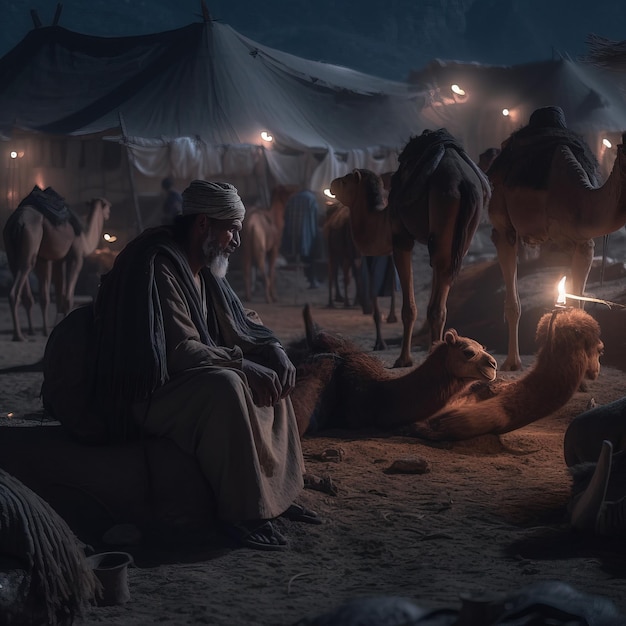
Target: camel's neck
[[371, 229], [95, 224], [543, 390], [600, 210], [421, 392]]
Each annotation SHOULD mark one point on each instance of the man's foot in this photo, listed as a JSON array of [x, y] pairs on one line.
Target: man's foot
[[256, 534], [299, 513]]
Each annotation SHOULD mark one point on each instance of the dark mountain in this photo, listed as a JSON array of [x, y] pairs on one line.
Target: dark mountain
[[383, 38]]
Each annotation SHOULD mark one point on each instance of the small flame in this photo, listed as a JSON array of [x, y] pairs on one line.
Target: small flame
[[561, 299], [265, 136], [457, 90], [606, 143], [328, 193], [109, 238]]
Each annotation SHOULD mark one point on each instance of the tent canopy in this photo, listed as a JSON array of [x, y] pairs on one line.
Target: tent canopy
[[204, 81]]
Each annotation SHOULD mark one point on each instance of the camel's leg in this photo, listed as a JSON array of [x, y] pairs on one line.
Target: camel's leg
[[379, 343], [391, 318], [247, 277], [404, 267], [60, 287], [581, 264], [271, 273], [437, 311], [74, 265], [346, 283], [333, 280], [43, 270], [506, 247], [20, 293]]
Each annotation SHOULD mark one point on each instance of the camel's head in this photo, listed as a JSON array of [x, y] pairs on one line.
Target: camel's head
[[568, 335], [466, 358], [103, 204], [360, 185]]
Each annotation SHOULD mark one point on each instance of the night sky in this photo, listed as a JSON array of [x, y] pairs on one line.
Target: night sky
[[387, 39]]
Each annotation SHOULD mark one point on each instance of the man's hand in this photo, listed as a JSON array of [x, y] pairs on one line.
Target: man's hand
[[264, 383], [285, 369]]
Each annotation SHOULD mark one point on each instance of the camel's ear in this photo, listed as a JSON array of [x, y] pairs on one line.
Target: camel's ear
[[357, 174], [451, 337]]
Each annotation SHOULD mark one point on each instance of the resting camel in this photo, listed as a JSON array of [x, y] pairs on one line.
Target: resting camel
[[340, 385], [545, 189], [437, 197], [33, 242], [260, 241], [569, 352]]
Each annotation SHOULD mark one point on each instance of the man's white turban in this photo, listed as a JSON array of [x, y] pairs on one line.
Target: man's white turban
[[220, 201]]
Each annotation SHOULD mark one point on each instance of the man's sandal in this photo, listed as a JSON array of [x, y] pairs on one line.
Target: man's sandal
[[256, 534], [299, 513]]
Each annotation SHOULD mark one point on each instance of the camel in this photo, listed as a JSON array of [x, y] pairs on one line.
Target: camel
[[55, 251], [342, 254], [366, 271], [569, 352], [260, 241], [339, 385], [437, 198], [545, 189]]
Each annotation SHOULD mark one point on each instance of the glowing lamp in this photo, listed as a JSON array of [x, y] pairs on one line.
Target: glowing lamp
[[109, 238], [606, 143], [506, 112], [265, 136], [457, 90], [561, 299], [13, 154], [328, 193]]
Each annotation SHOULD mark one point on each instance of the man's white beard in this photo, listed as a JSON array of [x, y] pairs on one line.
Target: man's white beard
[[219, 266], [217, 262]]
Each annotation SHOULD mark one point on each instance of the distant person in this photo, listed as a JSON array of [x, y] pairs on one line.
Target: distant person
[[173, 203], [302, 234]]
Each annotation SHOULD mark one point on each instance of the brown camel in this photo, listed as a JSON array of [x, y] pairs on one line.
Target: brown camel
[[437, 198], [340, 385], [260, 241], [54, 251], [342, 254], [569, 352], [545, 189]]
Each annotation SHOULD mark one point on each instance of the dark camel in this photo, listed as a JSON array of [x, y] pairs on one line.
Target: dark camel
[[437, 197]]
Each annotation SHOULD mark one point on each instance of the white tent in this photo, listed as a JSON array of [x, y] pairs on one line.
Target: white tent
[[193, 102]]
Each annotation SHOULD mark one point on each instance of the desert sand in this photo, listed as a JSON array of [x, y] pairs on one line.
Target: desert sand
[[490, 514]]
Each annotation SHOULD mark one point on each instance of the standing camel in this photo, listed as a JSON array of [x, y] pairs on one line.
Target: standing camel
[[437, 198], [545, 189], [342, 254], [36, 241], [260, 241]]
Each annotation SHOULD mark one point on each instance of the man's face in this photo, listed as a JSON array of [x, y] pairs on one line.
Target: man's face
[[221, 241]]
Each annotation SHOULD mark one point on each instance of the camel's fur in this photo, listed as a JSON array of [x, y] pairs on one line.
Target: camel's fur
[[55, 253], [260, 241], [546, 189], [340, 385], [569, 352], [437, 197]]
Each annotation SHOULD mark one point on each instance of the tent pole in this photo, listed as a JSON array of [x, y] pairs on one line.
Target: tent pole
[[131, 176]]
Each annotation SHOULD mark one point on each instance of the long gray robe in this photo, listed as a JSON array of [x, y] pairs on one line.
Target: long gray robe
[[251, 456]]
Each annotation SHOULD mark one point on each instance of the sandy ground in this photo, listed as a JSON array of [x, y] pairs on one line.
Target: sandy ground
[[489, 515]]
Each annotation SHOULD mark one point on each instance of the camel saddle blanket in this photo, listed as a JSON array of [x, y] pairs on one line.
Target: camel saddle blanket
[[52, 206]]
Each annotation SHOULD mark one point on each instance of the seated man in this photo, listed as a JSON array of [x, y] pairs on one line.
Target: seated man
[[178, 357]]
